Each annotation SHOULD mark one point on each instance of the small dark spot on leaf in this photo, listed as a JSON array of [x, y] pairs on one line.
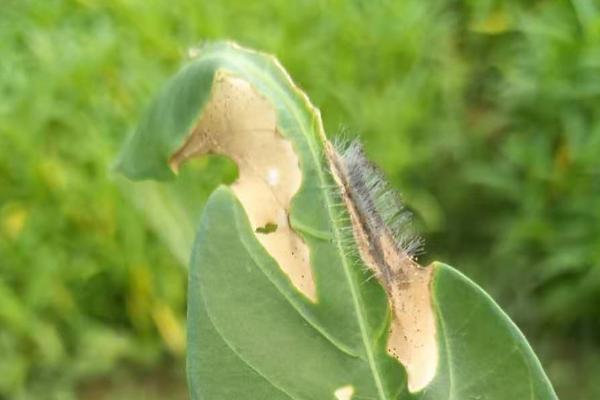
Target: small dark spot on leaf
[[268, 228]]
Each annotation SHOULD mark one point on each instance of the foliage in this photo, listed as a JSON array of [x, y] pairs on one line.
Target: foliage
[[255, 331], [484, 110]]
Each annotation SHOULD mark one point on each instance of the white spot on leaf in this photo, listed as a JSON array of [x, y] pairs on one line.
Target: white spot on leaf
[[344, 393], [272, 176]]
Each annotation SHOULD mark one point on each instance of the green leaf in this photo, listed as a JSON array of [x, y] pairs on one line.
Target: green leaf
[[484, 355], [281, 304]]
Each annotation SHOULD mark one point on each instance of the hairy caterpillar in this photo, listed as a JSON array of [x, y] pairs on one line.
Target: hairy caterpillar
[[381, 234], [381, 223]]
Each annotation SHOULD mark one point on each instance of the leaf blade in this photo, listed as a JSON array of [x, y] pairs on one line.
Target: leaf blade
[[484, 351], [228, 287]]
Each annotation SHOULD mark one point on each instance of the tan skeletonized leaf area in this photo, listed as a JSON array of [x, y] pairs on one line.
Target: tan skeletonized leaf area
[[241, 124], [412, 340]]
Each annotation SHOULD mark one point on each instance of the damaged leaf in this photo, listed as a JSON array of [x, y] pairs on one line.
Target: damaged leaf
[[281, 302]]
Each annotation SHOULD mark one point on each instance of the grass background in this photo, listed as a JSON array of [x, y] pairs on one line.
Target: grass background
[[485, 114]]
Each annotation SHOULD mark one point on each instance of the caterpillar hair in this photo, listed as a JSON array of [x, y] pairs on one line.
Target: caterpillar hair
[[375, 208]]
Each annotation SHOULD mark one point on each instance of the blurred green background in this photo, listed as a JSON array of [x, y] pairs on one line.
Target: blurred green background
[[485, 114]]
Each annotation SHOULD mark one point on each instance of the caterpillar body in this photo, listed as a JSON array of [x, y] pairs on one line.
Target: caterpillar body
[[381, 223], [380, 232]]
